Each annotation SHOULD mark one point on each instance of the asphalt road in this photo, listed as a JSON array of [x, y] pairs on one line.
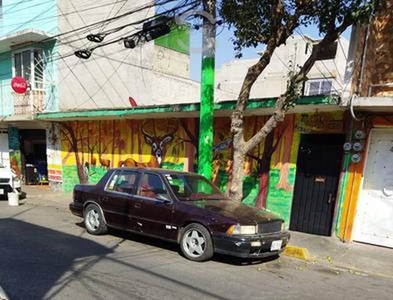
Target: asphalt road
[[45, 253]]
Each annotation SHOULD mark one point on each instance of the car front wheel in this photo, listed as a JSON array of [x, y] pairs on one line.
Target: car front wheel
[[196, 243], [94, 220]]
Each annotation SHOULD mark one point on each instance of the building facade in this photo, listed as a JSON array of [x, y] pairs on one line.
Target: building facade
[[368, 205], [137, 107], [37, 42]]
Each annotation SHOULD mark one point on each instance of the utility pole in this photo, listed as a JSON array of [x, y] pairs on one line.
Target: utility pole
[[205, 158]]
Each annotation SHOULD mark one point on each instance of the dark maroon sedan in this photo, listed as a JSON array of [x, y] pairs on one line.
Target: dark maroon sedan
[[180, 207]]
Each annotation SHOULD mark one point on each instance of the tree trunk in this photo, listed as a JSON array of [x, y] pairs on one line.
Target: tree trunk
[[74, 145], [236, 189], [264, 171]]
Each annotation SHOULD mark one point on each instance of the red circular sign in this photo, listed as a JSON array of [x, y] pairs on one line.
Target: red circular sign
[[19, 84]]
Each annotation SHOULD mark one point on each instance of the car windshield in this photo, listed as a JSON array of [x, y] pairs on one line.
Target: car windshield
[[189, 187]]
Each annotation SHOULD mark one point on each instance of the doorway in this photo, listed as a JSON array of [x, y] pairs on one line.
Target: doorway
[[317, 178], [34, 159]]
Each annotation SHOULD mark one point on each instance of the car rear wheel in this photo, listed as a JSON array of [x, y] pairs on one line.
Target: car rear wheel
[[196, 243], [94, 220]]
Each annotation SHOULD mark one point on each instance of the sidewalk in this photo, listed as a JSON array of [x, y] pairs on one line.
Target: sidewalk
[[353, 257], [44, 195]]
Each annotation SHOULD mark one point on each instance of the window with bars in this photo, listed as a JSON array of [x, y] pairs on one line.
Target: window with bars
[[30, 65]]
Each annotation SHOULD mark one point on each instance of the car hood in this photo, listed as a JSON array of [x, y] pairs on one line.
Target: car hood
[[240, 213]]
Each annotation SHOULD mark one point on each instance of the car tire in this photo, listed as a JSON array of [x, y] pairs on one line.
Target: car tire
[[94, 220], [196, 243]]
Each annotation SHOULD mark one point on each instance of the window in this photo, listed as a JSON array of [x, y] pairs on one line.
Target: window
[[151, 185], [318, 87], [30, 65], [123, 182], [193, 187]]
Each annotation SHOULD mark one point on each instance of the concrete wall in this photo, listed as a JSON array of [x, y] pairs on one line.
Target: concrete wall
[[272, 81], [113, 73]]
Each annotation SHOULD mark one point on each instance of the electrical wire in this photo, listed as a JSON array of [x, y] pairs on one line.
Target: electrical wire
[[110, 12], [154, 3], [135, 35], [319, 70], [88, 70], [86, 27]]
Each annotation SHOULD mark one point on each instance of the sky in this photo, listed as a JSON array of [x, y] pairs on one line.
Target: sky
[[224, 48]]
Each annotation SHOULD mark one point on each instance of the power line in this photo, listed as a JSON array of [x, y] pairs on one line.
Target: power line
[[86, 53], [87, 69], [319, 70], [154, 3], [110, 12]]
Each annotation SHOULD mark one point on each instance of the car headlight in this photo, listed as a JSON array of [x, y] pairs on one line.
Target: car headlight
[[242, 229]]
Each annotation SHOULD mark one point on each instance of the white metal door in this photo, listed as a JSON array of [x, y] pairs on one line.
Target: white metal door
[[4, 150], [374, 217]]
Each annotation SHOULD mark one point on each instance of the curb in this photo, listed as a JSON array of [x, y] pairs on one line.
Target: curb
[[297, 252]]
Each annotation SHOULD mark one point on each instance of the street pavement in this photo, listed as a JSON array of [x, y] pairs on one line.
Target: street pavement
[[45, 253]]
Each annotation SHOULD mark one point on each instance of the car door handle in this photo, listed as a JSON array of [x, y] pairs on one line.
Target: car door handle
[[331, 198], [138, 205]]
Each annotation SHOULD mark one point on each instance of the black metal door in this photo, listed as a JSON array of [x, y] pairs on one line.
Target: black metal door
[[318, 171]]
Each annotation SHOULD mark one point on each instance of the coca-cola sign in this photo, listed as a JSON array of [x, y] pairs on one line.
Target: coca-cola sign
[[19, 84]]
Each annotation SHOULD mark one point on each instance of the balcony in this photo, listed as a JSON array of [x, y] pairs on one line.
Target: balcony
[[29, 103]]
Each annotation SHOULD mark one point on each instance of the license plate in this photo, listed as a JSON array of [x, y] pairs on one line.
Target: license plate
[[1, 192], [276, 245]]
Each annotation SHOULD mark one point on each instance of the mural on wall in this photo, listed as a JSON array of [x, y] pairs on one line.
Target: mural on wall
[[271, 158], [90, 148], [54, 154], [14, 145]]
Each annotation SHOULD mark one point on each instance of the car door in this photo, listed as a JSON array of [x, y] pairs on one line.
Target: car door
[[154, 208], [118, 199]]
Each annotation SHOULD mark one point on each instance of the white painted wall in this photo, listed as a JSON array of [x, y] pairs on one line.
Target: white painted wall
[[149, 74], [272, 82]]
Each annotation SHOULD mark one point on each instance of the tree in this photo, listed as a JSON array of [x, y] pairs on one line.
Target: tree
[[271, 23]]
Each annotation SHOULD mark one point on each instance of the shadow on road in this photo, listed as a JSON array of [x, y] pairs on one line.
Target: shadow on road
[[28, 251]]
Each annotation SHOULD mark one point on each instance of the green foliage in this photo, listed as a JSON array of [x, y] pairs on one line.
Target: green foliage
[[257, 22]]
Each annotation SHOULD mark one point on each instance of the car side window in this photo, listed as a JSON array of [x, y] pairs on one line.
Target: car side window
[[151, 186], [123, 181]]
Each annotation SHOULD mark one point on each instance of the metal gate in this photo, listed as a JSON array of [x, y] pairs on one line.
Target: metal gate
[[317, 176]]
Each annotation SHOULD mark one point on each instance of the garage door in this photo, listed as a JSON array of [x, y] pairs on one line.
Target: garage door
[[374, 217]]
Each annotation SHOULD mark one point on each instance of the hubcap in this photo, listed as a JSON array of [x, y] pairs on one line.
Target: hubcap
[[92, 220], [194, 243]]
